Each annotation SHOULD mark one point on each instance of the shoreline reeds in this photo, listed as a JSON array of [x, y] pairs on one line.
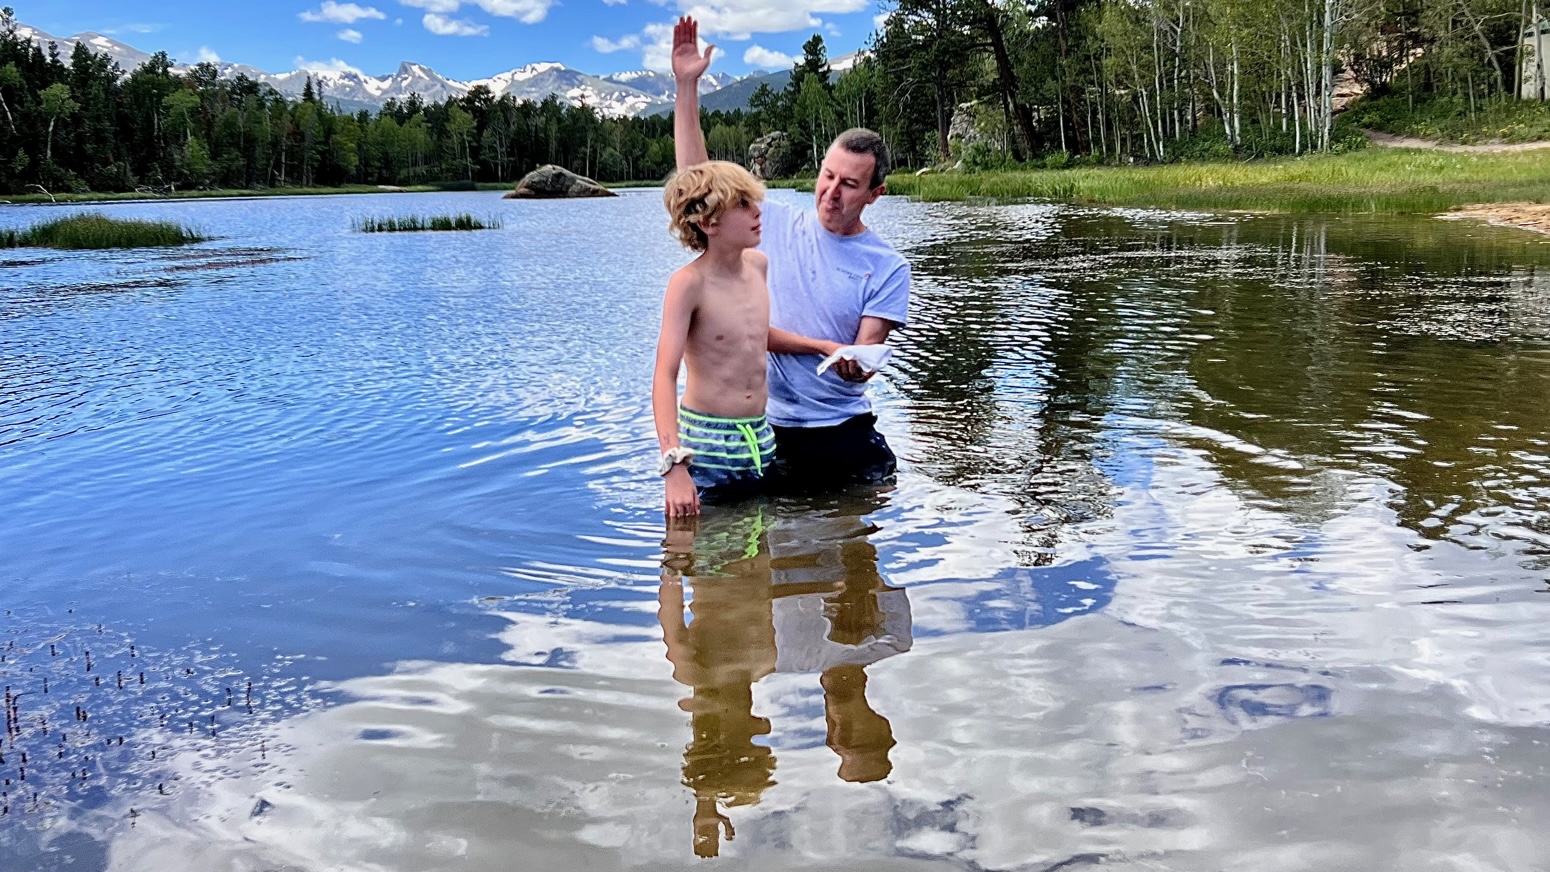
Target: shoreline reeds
[[94, 231], [1387, 180], [419, 223]]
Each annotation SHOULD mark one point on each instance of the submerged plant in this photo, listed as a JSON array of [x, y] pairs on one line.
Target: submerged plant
[[93, 231], [414, 223]]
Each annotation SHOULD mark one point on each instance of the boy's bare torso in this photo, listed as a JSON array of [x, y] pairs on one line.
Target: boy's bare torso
[[724, 352]]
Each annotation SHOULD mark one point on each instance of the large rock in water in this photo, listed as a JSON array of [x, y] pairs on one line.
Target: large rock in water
[[550, 182], [770, 157]]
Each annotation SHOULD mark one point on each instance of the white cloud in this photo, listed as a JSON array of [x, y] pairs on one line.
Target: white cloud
[[607, 46], [658, 56], [135, 28], [350, 35], [441, 25], [615, 2], [207, 56], [737, 20], [332, 65], [880, 20], [341, 13], [759, 56], [525, 11]]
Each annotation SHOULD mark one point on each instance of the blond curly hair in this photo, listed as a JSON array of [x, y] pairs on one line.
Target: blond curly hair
[[697, 197]]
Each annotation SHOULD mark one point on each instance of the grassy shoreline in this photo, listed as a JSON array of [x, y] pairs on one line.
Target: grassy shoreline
[[1375, 180], [1371, 180], [220, 194]]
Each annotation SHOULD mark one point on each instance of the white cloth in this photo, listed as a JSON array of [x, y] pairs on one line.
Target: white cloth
[[871, 357]]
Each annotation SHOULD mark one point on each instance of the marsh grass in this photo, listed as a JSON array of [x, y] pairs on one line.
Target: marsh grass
[[95, 231], [416, 223], [1375, 180]]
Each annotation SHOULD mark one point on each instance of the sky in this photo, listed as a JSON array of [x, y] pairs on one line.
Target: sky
[[461, 39]]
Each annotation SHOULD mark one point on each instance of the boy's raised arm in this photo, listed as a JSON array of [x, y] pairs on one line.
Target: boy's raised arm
[[688, 66]]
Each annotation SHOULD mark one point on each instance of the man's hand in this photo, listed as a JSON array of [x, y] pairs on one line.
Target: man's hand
[[688, 64], [851, 371], [682, 500]]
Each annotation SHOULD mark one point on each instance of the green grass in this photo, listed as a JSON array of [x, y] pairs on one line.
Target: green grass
[[93, 231], [1452, 119], [416, 223], [1373, 180]]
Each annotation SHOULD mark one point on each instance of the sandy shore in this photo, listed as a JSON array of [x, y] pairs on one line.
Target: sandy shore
[[1528, 216]]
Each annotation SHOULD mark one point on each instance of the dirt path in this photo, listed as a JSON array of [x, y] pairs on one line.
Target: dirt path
[[1389, 140]]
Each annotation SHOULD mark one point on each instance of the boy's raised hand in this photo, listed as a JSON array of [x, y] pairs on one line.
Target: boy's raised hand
[[687, 61]]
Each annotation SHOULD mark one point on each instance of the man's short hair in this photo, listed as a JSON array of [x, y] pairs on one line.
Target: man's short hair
[[697, 197], [859, 140]]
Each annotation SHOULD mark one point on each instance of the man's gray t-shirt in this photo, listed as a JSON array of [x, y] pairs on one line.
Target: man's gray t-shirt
[[821, 286]]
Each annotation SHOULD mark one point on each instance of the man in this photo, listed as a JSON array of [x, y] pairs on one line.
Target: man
[[831, 280]]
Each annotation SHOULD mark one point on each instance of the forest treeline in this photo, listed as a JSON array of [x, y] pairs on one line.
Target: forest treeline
[[989, 82], [1160, 80]]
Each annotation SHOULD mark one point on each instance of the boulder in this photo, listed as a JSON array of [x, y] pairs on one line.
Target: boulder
[[550, 182], [770, 157]]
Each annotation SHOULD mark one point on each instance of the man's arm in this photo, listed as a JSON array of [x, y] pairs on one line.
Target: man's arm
[[688, 66], [873, 331]]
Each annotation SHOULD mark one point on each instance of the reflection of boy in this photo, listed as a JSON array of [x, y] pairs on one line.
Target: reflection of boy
[[728, 646], [716, 320]]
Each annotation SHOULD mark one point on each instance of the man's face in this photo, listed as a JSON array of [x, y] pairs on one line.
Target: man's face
[[844, 190]]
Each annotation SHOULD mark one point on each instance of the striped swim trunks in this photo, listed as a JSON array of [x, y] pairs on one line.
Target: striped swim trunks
[[731, 455]]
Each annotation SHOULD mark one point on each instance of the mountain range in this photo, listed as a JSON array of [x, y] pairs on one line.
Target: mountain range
[[618, 94]]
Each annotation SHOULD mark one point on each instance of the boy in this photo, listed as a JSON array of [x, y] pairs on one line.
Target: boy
[[716, 320]]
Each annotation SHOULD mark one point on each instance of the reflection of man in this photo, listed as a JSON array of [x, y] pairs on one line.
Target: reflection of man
[[835, 615], [831, 278]]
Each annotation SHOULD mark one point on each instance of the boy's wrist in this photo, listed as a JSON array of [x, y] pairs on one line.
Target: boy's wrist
[[673, 458]]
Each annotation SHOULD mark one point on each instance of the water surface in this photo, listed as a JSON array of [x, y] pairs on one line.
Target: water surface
[[1220, 542]]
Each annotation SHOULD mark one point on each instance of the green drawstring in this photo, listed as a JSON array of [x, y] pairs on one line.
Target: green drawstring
[[753, 445]]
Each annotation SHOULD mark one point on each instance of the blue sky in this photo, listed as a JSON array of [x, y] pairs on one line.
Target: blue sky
[[461, 39]]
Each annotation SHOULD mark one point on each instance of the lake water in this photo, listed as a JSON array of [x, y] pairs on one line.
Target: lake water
[[1220, 542]]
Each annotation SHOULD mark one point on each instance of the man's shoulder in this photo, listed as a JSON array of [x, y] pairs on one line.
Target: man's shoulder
[[779, 213], [884, 257]]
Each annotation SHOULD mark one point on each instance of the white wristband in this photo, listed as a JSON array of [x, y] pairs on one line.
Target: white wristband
[[672, 457]]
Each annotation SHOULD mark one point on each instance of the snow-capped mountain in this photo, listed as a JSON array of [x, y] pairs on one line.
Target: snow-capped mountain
[[354, 87], [537, 81], [126, 56], [662, 85], [619, 94]]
